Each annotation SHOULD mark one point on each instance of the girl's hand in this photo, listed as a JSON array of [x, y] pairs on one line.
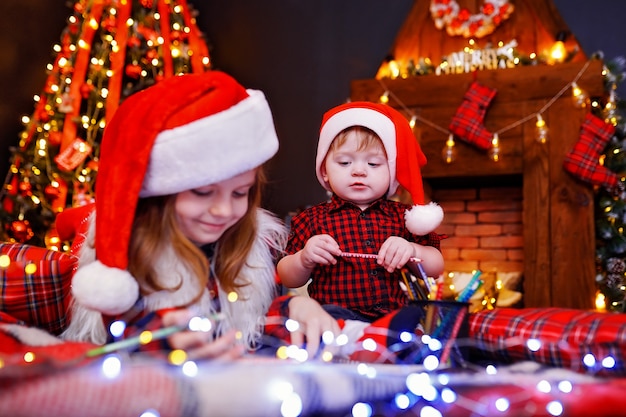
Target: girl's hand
[[395, 253], [313, 320], [201, 345]]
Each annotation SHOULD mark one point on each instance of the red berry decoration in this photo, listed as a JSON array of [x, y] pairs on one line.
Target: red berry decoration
[[133, 70], [20, 230], [26, 188]]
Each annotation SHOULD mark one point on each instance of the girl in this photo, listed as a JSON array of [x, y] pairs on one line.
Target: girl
[[177, 229]]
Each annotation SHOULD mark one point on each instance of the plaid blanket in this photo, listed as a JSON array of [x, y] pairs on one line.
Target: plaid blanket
[[579, 340]]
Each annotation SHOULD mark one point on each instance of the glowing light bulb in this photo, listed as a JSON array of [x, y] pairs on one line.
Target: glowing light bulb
[[610, 110], [494, 152], [394, 69], [384, 99], [413, 121], [448, 153], [579, 96], [557, 52], [541, 130], [600, 302]]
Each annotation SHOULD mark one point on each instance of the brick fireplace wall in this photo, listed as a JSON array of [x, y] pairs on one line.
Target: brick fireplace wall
[[484, 226]]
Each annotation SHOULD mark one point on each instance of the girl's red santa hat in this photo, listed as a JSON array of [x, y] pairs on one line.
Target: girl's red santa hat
[[404, 155], [182, 133]]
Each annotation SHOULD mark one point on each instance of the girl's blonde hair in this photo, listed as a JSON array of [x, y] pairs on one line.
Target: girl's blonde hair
[[155, 226]]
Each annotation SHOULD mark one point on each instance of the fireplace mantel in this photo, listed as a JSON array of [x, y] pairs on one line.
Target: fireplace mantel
[[558, 218]]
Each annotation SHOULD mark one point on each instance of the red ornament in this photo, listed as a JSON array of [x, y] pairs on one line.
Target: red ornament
[[488, 9], [21, 231], [86, 89], [73, 155], [26, 188], [133, 70], [43, 115], [152, 54], [176, 35], [93, 165], [74, 28], [51, 192], [134, 42], [464, 15], [109, 23]]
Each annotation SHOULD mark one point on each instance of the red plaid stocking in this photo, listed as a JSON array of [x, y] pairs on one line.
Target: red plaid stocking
[[467, 123], [583, 160]]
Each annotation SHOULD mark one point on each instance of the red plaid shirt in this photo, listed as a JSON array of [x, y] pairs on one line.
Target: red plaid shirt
[[358, 284]]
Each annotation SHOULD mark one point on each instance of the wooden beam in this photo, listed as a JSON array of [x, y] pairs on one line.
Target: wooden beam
[[518, 84]]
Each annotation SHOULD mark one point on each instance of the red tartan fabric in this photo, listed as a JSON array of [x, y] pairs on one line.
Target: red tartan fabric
[[83, 391], [467, 123], [38, 298], [275, 332], [360, 285], [565, 336], [583, 161]]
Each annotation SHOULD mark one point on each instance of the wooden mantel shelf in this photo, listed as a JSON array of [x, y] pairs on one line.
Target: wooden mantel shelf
[[559, 233]]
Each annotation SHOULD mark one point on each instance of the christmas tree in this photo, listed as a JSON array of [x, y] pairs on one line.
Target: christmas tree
[[611, 200], [109, 50]]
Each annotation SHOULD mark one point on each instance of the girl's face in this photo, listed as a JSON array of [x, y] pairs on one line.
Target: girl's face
[[205, 213], [357, 175]]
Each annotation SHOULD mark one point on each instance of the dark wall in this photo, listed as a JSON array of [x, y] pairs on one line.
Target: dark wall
[[302, 54]]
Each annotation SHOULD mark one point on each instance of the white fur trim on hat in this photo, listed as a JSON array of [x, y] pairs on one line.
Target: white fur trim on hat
[[108, 290], [194, 155], [423, 219], [381, 124]]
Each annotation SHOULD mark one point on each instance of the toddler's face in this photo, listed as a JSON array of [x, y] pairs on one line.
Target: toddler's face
[[357, 175], [205, 213]]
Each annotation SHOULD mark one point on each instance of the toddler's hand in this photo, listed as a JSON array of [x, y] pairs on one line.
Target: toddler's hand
[[395, 253], [320, 249]]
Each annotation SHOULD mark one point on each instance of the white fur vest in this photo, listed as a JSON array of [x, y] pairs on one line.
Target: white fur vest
[[247, 314]]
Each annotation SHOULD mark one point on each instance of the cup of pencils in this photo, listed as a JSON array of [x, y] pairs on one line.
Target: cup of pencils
[[444, 321], [445, 326]]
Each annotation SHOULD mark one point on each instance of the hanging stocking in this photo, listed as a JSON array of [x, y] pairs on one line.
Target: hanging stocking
[[583, 161], [467, 123]]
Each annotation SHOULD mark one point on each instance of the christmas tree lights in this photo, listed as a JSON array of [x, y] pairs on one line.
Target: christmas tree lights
[[108, 51]]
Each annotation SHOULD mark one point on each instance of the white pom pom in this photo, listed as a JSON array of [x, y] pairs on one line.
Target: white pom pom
[[108, 290], [421, 220]]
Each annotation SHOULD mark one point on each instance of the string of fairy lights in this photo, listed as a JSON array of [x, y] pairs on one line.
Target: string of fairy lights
[[579, 96], [427, 386]]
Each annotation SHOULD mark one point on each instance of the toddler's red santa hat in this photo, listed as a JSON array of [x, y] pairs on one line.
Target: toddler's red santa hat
[[404, 155], [182, 133]]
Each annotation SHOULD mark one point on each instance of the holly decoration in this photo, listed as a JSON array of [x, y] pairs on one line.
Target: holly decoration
[[460, 22]]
